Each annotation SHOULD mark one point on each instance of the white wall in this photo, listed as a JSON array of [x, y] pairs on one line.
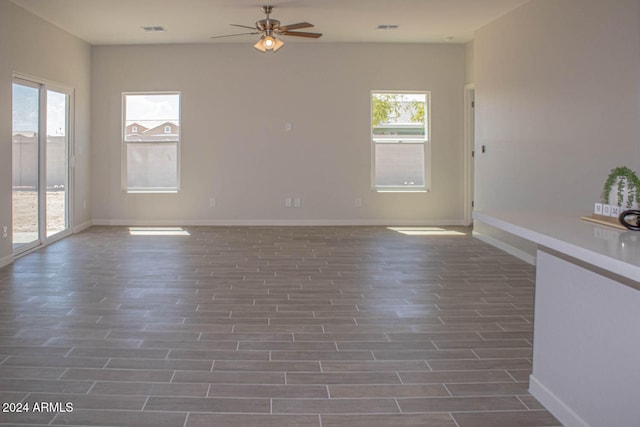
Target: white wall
[[31, 46], [235, 103], [557, 105]]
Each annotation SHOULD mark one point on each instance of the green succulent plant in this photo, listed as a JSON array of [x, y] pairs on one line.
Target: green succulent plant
[[617, 176]]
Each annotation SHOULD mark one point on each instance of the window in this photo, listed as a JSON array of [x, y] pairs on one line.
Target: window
[[151, 140], [400, 141]]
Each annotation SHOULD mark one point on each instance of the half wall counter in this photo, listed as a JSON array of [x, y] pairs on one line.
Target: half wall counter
[[586, 348]]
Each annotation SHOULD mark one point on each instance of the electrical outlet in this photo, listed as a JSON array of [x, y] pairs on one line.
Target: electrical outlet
[[5, 231], [212, 202], [297, 202], [287, 202], [358, 202]]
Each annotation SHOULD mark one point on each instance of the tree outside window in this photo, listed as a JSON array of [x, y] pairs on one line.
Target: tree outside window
[[400, 138]]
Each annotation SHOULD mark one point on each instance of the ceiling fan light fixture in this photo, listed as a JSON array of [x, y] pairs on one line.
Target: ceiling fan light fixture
[[268, 42], [277, 44], [260, 45]]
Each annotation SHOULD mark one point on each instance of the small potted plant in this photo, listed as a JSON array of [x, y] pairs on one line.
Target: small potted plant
[[622, 188]]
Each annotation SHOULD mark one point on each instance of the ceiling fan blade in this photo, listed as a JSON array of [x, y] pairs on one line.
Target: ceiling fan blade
[[232, 35], [301, 34], [243, 26], [284, 28]]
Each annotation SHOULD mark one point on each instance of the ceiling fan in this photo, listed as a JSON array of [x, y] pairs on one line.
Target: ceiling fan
[[270, 28]]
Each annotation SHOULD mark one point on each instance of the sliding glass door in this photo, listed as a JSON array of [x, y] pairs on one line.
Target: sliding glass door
[[25, 154], [40, 158], [57, 155]]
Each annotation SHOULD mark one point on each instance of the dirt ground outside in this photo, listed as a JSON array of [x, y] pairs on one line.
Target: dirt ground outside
[[25, 215]]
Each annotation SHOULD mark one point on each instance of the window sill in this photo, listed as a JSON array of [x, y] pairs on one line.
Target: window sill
[[151, 191], [400, 190]]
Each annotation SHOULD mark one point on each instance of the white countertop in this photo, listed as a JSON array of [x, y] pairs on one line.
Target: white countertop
[[608, 248]]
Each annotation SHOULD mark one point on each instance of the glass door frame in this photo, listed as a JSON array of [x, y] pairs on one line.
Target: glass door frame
[[69, 159], [27, 246], [44, 87]]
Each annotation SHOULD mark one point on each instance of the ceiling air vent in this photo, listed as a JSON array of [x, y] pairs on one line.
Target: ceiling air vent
[[154, 29], [386, 27]]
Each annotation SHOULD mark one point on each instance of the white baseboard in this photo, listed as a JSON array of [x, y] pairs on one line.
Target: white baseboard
[[528, 258], [81, 227], [6, 260], [562, 412], [277, 222]]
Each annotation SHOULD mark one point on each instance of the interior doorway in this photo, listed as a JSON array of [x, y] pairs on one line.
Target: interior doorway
[[469, 152]]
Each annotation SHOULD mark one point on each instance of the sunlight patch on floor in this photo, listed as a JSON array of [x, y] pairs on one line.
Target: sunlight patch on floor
[[426, 231], [158, 231]]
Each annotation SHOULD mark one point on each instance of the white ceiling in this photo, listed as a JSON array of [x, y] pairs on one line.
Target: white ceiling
[[101, 22]]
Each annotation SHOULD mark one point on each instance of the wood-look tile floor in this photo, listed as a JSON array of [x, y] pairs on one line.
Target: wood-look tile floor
[[268, 326]]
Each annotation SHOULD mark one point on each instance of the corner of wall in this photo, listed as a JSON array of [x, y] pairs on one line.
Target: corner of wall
[[469, 63]]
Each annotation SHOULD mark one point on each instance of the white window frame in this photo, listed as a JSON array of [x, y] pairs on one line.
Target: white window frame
[[425, 141], [178, 143]]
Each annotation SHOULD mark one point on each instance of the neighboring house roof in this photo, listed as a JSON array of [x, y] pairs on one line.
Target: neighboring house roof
[[165, 131], [140, 128]]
